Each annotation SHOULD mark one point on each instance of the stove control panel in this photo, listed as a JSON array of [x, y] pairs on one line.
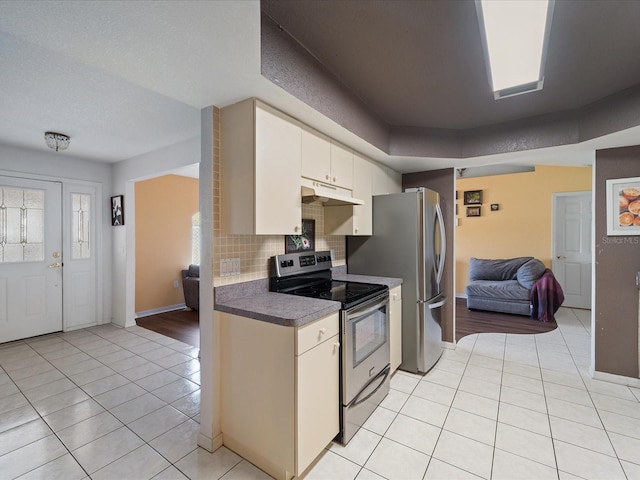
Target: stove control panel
[[301, 262]]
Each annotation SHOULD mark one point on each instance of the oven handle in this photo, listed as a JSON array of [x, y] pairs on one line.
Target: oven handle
[[384, 374], [368, 307]]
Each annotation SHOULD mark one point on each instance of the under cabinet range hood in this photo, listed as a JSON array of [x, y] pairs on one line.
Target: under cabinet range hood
[[329, 195]]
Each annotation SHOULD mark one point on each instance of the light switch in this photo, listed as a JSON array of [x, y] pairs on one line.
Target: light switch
[[638, 279]]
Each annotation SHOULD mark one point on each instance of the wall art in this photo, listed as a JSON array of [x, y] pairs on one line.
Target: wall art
[[623, 206]]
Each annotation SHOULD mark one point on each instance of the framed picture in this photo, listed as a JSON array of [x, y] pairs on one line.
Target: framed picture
[[495, 207], [623, 206], [473, 211], [305, 241], [117, 210], [473, 197]]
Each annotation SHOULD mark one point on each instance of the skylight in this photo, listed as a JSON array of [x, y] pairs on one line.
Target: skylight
[[514, 38]]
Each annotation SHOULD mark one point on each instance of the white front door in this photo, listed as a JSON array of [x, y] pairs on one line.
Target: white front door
[[571, 261], [30, 258]]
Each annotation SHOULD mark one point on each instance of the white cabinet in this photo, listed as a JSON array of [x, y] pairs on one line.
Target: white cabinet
[[279, 391], [395, 326], [326, 161], [316, 155], [341, 166], [357, 219], [259, 171], [385, 180]]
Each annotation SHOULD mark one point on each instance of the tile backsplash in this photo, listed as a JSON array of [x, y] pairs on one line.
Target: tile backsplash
[[254, 251]]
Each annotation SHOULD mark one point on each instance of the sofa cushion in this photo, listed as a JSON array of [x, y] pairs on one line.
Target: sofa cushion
[[530, 272], [481, 269], [499, 290], [194, 270]]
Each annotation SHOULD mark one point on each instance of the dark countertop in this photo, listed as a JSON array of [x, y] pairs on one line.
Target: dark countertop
[[388, 281], [254, 300], [279, 308]]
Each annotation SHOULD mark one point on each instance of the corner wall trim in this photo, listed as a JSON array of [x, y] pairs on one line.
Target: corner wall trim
[[210, 444]]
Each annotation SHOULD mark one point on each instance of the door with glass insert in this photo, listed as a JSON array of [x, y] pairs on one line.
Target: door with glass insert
[[30, 258]]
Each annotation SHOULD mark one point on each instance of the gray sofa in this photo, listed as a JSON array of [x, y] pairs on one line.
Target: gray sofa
[[503, 285], [191, 286]]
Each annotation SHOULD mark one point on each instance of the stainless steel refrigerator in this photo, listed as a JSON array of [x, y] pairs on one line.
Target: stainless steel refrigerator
[[408, 241]]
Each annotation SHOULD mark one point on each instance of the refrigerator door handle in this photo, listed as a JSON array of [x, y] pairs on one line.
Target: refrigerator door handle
[[443, 243], [433, 306]]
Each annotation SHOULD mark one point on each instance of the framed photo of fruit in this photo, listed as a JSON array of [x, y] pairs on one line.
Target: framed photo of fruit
[[623, 206]]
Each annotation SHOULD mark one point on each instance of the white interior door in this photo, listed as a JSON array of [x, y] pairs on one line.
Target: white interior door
[[30, 258], [571, 262]]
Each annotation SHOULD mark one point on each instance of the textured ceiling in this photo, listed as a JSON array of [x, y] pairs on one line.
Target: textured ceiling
[[124, 78], [420, 63]]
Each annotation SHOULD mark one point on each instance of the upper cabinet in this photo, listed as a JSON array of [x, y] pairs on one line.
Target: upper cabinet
[[357, 219], [260, 170], [341, 166], [385, 180], [326, 161]]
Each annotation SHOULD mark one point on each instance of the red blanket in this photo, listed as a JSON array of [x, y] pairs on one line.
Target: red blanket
[[546, 297]]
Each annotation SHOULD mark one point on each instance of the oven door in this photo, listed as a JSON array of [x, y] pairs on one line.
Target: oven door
[[365, 340]]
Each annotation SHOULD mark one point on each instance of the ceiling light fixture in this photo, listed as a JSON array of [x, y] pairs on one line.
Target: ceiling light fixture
[[56, 141], [515, 35]]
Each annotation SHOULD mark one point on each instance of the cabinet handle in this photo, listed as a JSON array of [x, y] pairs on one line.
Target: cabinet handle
[[336, 346], [394, 296], [334, 179], [296, 228], [322, 331], [328, 177], [356, 230]]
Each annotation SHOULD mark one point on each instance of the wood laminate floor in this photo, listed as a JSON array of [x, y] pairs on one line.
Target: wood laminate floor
[[477, 321], [182, 325]]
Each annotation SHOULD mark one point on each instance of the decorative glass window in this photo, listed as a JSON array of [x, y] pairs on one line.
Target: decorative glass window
[[21, 225], [80, 244], [195, 239]]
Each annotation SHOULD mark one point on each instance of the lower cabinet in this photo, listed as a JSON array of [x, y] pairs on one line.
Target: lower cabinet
[[279, 398], [395, 326]]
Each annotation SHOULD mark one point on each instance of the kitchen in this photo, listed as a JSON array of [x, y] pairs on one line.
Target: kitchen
[[254, 320]]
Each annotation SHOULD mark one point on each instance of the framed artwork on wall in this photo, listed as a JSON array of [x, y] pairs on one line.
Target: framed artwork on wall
[[473, 197], [305, 241], [473, 211], [623, 206], [117, 210]]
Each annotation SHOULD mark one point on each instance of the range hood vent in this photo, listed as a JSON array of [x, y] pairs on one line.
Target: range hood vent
[[327, 195]]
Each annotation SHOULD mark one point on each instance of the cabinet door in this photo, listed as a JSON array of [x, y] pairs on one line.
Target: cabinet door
[[278, 204], [341, 166], [395, 321], [316, 155], [362, 221], [317, 400]]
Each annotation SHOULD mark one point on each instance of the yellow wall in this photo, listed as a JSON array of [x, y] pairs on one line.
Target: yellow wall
[[522, 225], [164, 207]]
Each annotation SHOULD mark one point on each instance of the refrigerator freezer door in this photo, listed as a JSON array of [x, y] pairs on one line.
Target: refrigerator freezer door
[[430, 347]]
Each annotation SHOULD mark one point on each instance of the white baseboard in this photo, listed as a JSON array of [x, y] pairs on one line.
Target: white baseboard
[[210, 444], [612, 378], [461, 295], [155, 311], [449, 345]]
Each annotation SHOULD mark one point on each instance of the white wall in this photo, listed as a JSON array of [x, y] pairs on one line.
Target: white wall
[[57, 166], [125, 174]]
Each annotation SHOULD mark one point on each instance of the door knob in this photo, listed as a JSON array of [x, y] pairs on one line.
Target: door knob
[[55, 265], [560, 257]]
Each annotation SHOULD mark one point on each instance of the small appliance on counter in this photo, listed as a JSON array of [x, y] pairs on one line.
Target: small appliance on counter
[[408, 242], [364, 331]]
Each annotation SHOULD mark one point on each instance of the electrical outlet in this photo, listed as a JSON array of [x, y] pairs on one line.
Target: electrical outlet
[[175, 284], [236, 266], [638, 279]]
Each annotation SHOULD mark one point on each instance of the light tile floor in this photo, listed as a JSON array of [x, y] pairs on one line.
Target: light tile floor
[[112, 403]]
